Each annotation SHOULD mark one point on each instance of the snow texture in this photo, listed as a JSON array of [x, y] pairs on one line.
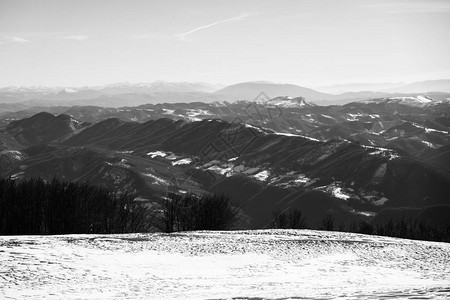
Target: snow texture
[[215, 265]]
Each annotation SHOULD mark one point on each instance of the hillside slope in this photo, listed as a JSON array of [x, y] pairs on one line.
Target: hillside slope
[[239, 264]]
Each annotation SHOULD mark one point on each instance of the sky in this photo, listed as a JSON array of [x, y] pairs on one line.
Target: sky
[[304, 42]]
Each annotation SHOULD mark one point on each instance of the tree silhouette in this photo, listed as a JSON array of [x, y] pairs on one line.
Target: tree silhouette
[[34, 206], [190, 212], [292, 219]]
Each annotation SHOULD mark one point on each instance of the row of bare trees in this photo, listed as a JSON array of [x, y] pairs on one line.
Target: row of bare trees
[[35, 206], [191, 212], [289, 219], [402, 228]]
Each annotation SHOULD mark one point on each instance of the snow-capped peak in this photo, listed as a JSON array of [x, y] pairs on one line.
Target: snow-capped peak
[[418, 100], [21, 89], [70, 90], [290, 102]]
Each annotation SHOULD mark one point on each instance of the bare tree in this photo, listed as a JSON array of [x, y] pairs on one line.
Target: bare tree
[[190, 212], [327, 223], [292, 219]]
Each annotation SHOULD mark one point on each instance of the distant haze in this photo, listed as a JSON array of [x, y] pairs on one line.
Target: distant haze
[[308, 43]]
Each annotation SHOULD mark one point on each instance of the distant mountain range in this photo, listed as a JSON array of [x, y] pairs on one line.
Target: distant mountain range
[[131, 94], [441, 85]]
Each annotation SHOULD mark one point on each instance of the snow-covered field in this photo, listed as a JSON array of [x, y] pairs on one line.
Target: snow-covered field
[[212, 265]]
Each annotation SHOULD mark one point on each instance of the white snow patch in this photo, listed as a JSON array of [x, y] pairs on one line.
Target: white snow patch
[[16, 175], [253, 127], [296, 135], [366, 213], [431, 145], [302, 179], [355, 117], [70, 91], [168, 111], [157, 153], [389, 153], [126, 152], [197, 112], [424, 99], [220, 170], [337, 192], [158, 180], [184, 161], [413, 101], [428, 130], [13, 153], [262, 176]]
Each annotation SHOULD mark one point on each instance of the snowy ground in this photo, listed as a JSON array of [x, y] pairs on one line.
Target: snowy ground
[[212, 265]]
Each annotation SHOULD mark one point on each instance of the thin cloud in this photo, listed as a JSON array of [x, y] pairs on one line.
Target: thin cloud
[[17, 40], [183, 36], [76, 37]]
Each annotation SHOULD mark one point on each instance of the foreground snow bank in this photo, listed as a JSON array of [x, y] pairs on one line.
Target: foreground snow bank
[[266, 263]]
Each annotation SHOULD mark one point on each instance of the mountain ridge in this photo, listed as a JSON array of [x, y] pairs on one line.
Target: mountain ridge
[[253, 164], [160, 91]]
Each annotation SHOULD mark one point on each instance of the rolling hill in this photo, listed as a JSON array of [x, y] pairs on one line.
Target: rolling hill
[[261, 169]]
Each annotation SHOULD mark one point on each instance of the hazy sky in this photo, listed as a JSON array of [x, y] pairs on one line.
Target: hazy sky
[[310, 43]]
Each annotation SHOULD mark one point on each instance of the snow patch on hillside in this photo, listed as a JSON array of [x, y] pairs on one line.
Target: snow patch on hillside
[[157, 153], [413, 101], [327, 116], [297, 135], [168, 111], [385, 152], [431, 145], [125, 152], [157, 180], [428, 130], [15, 154], [337, 192], [291, 179], [184, 161], [289, 102], [16, 175], [262, 176]]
